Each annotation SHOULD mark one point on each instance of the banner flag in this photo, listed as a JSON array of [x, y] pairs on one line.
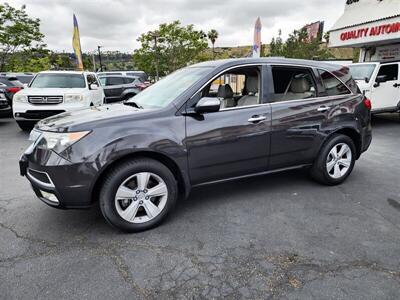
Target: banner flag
[[257, 38], [76, 44]]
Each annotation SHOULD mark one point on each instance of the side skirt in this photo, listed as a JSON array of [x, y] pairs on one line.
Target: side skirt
[[252, 175]]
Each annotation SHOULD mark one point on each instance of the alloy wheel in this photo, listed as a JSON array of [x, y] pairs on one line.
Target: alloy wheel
[[141, 197], [339, 160]]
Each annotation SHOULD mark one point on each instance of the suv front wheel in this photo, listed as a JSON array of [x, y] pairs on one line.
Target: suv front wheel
[[138, 195], [335, 161]]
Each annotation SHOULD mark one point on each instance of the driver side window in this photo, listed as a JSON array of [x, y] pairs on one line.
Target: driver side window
[[236, 88]]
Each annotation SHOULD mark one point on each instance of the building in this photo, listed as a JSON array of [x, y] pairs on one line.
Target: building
[[371, 25]]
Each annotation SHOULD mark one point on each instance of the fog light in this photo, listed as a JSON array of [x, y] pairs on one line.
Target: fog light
[[50, 197]]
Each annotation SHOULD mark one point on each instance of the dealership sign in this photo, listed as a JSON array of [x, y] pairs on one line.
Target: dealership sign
[[368, 34], [370, 31]]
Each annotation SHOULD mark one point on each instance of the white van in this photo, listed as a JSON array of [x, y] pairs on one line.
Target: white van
[[381, 84], [54, 92]]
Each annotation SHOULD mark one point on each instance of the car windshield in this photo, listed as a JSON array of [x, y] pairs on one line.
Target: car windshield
[[102, 80], [49, 80], [362, 72], [169, 88]]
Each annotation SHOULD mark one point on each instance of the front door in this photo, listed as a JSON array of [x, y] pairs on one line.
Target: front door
[[386, 95], [234, 141]]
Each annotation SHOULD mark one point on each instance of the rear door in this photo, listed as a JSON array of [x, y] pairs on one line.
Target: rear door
[[299, 116], [114, 88], [386, 95]]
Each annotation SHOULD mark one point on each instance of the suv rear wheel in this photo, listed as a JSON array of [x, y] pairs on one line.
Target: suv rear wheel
[[335, 160], [138, 195]]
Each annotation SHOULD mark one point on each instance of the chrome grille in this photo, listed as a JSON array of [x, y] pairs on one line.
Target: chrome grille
[[45, 99]]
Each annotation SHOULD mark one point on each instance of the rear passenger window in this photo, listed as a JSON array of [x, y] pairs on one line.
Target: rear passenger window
[[115, 80], [333, 86], [390, 71], [292, 84]]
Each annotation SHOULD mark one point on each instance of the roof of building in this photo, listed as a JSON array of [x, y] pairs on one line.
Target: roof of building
[[367, 11]]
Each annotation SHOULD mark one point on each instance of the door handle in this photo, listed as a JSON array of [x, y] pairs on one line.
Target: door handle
[[396, 85], [323, 108], [257, 119]]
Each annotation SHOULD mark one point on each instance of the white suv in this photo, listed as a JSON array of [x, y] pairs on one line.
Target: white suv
[[54, 92], [380, 82]]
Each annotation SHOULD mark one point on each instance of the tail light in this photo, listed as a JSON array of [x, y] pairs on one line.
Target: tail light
[[141, 86], [14, 89], [367, 103]]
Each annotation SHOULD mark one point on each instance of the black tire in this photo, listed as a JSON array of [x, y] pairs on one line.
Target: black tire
[[319, 170], [117, 175], [26, 125]]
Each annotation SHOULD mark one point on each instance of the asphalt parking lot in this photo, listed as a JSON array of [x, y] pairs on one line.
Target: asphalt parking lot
[[276, 236]]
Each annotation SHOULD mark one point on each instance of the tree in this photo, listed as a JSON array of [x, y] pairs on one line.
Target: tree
[[212, 36], [177, 46], [298, 45], [18, 32]]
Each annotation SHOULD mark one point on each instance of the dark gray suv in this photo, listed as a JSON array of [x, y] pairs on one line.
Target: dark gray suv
[[207, 123]]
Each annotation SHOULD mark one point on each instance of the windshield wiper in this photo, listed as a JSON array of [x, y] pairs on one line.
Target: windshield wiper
[[132, 103]]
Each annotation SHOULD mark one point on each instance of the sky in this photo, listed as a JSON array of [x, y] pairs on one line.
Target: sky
[[116, 24]]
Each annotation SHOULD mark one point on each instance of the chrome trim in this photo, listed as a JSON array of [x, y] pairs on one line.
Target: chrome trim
[[271, 103], [46, 99], [30, 176]]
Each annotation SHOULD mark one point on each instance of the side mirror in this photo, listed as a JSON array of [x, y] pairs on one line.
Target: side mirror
[[93, 86], [366, 80], [207, 105], [380, 79]]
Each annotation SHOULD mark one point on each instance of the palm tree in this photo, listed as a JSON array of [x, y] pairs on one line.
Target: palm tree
[[212, 36]]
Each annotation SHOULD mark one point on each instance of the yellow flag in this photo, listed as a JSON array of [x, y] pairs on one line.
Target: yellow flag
[[76, 44]]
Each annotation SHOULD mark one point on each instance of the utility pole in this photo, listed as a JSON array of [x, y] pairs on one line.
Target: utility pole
[[101, 65], [156, 35]]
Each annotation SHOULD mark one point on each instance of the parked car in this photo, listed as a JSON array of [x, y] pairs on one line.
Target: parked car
[[142, 75], [10, 85], [137, 157], [54, 92], [5, 108], [381, 84], [25, 78], [120, 88]]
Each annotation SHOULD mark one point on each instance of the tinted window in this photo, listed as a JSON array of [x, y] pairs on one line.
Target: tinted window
[[292, 84], [52, 80], [115, 80], [129, 79], [391, 71], [333, 86]]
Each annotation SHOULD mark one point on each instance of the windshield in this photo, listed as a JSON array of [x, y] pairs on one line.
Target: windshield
[[48, 80], [362, 72], [169, 88]]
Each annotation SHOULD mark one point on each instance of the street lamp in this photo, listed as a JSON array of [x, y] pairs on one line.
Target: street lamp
[[101, 65]]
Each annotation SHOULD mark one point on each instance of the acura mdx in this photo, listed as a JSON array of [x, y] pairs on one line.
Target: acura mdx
[[206, 123]]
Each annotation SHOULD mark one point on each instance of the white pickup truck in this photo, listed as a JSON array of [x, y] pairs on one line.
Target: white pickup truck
[[381, 84], [54, 92]]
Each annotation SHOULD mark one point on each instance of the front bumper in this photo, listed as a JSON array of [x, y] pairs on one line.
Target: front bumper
[[56, 181], [36, 112]]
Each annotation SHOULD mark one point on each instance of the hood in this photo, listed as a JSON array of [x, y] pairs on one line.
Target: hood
[[86, 119], [50, 91]]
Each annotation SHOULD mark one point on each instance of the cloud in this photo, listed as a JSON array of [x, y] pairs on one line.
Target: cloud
[[116, 24]]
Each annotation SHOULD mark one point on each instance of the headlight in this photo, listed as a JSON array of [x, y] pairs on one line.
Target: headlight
[[71, 98], [60, 141], [20, 98]]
